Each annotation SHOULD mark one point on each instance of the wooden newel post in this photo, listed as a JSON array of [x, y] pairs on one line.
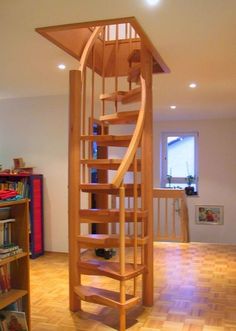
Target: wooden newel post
[[74, 182], [147, 175]]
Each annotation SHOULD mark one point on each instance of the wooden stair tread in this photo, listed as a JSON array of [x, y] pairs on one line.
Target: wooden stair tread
[[109, 140], [115, 96], [104, 297], [109, 215], [125, 97], [96, 186], [110, 269], [112, 164], [106, 241], [108, 188], [133, 95], [124, 117]]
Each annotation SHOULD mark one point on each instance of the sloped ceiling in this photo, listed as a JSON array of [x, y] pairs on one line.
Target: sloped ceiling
[[196, 38]]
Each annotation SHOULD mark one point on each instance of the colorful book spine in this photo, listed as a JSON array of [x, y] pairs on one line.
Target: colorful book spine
[[20, 186], [5, 282], [5, 231]]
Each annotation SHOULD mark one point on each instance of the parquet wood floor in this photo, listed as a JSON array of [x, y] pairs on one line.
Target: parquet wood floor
[[195, 290]]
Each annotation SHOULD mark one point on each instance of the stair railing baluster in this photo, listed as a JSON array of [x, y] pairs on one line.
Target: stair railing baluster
[[103, 72], [84, 76], [122, 255], [135, 208], [173, 232], [166, 218], [92, 91], [116, 64], [130, 47]]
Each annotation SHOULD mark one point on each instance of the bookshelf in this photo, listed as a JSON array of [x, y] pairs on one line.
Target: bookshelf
[[29, 186], [17, 265]]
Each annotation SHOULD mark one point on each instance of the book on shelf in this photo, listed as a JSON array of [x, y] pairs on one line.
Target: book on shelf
[[5, 231], [21, 186], [13, 320], [5, 282], [7, 248], [11, 253]]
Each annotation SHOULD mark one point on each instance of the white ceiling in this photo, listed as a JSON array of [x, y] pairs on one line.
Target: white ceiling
[[196, 38]]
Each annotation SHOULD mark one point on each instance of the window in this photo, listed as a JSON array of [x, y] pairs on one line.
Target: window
[[179, 159]]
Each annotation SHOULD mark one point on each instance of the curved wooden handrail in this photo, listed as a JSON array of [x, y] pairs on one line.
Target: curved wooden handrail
[[134, 143], [169, 193], [88, 47]]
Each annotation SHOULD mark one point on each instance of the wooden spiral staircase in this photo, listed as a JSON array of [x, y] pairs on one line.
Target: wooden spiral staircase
[[118, 53]]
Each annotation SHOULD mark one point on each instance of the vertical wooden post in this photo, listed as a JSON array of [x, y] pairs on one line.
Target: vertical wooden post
[[158, 218], [173, 233], [122, 229], [166, 219], [74, 183], [185, 218], [83, 119], [103, 69], [135, 207], [102, 198], [147, 175], [122, 257]]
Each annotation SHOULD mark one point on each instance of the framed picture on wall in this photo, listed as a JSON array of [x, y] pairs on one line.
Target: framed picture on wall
[[209, 214]]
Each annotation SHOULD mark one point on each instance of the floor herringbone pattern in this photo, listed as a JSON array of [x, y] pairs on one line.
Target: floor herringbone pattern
[[195, 290]]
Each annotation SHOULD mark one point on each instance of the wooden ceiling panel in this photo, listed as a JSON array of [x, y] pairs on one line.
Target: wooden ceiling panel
[[72, 38]]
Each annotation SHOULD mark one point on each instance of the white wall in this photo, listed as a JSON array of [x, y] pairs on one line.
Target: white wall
[[217, 179], [36, 129]]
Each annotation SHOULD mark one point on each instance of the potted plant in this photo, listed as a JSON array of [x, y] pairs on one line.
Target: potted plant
[[189, 189], [169, 179]]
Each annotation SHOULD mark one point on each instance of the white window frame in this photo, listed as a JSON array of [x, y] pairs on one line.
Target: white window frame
[[164, 161]]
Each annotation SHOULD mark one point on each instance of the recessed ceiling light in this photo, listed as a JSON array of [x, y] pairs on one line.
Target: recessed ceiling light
[[192, 85], [173, 107], [152, 2], [61, 66]]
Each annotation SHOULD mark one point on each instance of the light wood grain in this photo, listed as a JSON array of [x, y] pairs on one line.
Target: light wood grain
[[124, 117], [111, 164], [147, 174], [172, 215], [104, 240], [111, 269], [109, 140], [108, 188], [109, 215], [18, 265], [74, 179], [134, 143], [194, 290], [105, 297], [87, 49], [110, 57]]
